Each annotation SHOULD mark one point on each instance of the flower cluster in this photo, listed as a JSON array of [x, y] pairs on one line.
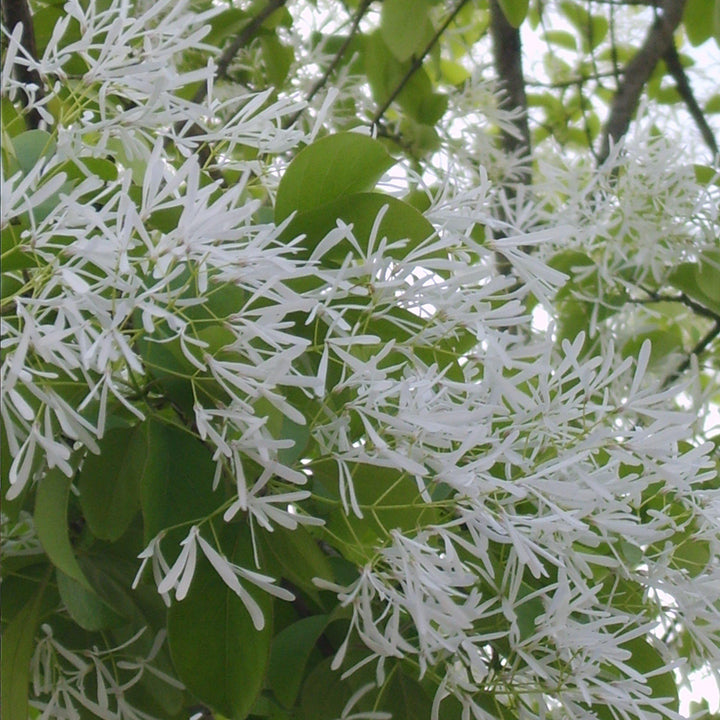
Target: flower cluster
[[508, 512]]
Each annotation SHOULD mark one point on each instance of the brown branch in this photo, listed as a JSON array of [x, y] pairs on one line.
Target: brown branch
[[638, 71], [417, 62], [683, 299], [204, 151], [14, 12], [674, 66], [699, 348], [320, 84], [507, 56], [242, 39]]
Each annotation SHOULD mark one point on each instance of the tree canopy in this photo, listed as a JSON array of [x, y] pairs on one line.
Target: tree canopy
[[360, 358]]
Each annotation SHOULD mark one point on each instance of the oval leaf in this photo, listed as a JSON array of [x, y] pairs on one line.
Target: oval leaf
[[290, 653], [401, 224], [109, 482], [217, 651], [404, 38], [176, 484], [331, 168], [18, 643], [514, 10], [51, 524]]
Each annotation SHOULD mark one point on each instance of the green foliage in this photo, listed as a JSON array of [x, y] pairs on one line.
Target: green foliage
[[217, 652], [338, 409]]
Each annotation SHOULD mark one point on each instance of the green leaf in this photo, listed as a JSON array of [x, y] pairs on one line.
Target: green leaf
[[296, 556], [331, 168], [647, 661], [289, 656], [18, 643], [109, 482], [84, 606], [561, 38], [51, 523], [282, 428], [664, 342], [701, 280], [31, 146], [404, 697], [514, 10], [215, 648], [176, 484], [278, 59], [400, 222], [405, 38], [696, 21], [387, 498], [324, 695]]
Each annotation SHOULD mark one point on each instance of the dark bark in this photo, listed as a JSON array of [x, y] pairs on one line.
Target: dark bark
[[14, 12], [675, 68], [638, 71], [507, 55]]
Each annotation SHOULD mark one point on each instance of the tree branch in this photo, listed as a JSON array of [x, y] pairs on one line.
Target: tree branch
[[699, 348], [242, 39], [638, 71], [418, 61], [674, 66], [360, 13], [14, 12], [507, 56], [697, 308]]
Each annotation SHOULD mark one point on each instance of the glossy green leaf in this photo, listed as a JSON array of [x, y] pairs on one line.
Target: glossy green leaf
[[324, 695], [289, 656], [51, 523], [331, 168], [665, 342], [401, 223], [296, 556], [700, 281], [697, 20], [176, 484], [514, 10], [648, 662], [283, 428], [85, 607], [18, 642], [561, 38], [31, 146], [278, 58], [109, 482], [388, 499], [403, 36], [404, 697], [216, 650]]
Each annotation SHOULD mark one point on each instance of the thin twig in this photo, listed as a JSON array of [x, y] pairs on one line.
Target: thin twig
[[638, 71], [682, 298], [674, 66], [242, 39], [563, 84], [417, 62], [320, 84], [699, 348]]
